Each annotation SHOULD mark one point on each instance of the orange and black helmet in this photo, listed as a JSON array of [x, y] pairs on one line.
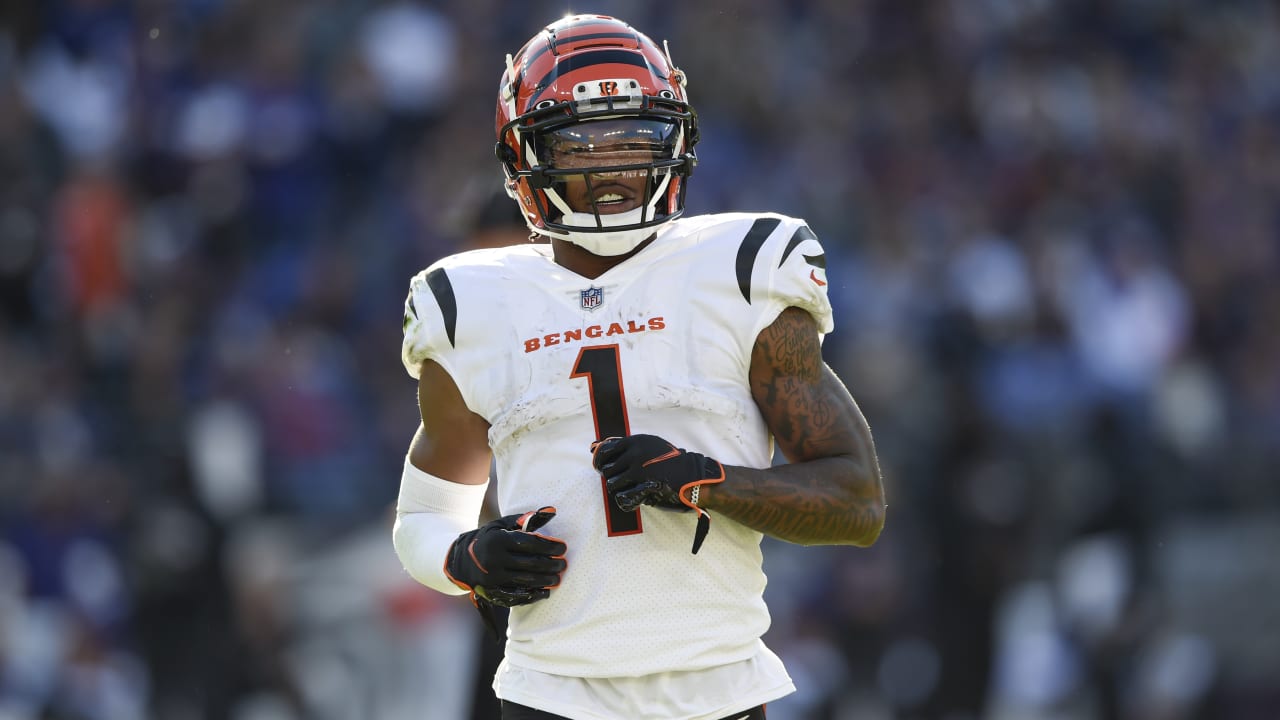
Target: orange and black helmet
[[584, 79]]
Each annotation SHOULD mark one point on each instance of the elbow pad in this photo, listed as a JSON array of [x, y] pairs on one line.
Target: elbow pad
[[431, 513]]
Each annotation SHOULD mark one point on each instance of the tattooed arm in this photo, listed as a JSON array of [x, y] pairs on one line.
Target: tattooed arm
[[831, 493]]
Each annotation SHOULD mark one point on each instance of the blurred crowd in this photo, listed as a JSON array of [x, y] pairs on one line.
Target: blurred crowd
[[1053, 233]]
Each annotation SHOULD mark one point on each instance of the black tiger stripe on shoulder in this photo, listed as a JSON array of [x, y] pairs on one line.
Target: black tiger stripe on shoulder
[[440, 286], [801, 234], [760, 231], [410, 313]]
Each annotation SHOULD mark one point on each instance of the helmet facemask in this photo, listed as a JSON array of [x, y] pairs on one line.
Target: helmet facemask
[[596, 166], [607, 166]]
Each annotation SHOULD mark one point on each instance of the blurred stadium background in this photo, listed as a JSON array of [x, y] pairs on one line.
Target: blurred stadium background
[[1054, 242]]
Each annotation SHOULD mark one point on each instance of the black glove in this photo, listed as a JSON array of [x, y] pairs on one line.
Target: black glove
[[647, 470], [504, 562]]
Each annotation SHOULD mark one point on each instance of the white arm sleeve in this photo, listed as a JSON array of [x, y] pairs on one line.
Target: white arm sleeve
[[430, 514]]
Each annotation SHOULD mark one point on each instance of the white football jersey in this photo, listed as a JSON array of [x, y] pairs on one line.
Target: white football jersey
[[659, 344]]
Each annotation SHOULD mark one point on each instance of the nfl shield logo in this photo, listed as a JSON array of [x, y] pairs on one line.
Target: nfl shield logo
[[592, 298]]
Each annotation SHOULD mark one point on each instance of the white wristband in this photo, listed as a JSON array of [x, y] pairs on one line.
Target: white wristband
[[430, 514]]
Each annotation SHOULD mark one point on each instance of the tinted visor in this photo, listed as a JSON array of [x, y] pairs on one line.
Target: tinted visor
[[608, 143]]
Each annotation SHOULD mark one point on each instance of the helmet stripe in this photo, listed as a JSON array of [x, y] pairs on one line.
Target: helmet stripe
[[556, 41], [586, 59]]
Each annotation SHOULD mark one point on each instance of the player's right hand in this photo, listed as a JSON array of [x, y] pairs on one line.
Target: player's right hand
[[505, 562]]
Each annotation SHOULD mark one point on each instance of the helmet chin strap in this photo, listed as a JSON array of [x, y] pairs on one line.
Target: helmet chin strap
[[608, 244]]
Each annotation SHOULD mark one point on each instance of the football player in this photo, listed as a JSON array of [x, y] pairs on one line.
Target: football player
[[629, 378]]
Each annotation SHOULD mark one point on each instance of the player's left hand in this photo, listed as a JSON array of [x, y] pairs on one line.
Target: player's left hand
[[647, 470]]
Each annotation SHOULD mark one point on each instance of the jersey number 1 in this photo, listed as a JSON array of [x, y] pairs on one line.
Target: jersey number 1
[[601, 366]]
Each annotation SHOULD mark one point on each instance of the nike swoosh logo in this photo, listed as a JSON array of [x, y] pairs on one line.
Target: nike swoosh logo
[[744, 717], [812, 276]]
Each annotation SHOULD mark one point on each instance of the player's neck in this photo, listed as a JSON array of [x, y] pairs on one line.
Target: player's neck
[[588, 265]]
